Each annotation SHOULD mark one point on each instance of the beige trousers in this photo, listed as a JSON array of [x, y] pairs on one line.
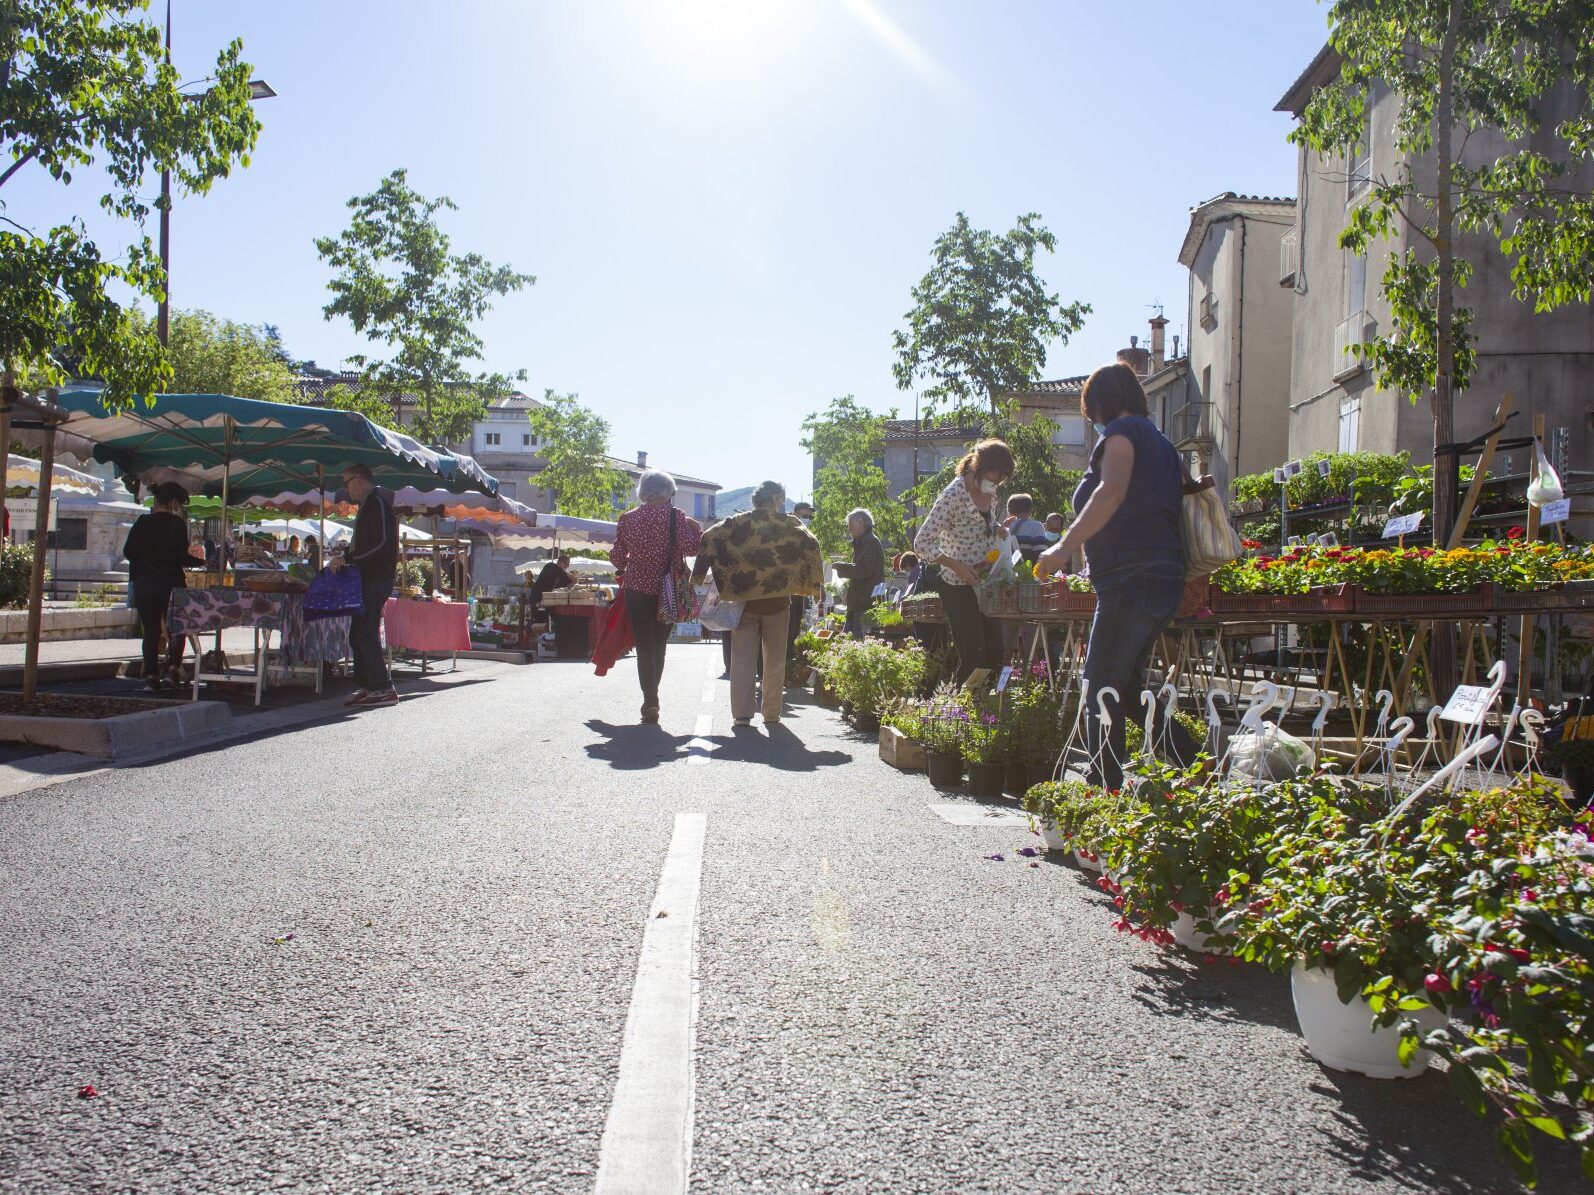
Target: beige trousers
[[766, 632]]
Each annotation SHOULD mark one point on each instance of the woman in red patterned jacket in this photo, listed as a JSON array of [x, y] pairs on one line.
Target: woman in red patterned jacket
[[641, 557]]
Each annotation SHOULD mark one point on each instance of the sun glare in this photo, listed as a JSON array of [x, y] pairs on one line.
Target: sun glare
[[717, 33]]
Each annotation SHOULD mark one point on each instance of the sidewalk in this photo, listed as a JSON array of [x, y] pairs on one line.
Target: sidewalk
[[235, 639]]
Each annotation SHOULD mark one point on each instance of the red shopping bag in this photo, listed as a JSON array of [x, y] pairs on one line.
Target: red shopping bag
[[614, 639]]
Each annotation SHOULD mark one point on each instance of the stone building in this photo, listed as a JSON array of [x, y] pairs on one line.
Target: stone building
[[1546, 360]]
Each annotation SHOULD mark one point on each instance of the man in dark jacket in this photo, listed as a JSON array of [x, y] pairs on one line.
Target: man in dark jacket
[[374, 551], [866, 572]]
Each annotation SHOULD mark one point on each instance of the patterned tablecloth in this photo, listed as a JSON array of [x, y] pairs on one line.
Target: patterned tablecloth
[[200, 611], [426, 626]]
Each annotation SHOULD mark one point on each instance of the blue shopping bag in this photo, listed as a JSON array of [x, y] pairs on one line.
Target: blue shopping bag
[[334, 595]]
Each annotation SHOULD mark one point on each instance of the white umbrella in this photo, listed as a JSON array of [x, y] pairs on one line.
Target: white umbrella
[[584, 567]]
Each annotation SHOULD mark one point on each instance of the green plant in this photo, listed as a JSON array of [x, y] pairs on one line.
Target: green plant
[[1079, 812], [811, 648], [880, 616], [413, 574], [906, 716], [94, 599], [866, 675], [16, 574], [1516, 944]]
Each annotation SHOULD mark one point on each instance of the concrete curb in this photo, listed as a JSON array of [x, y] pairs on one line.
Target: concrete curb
[[121, 736], [65, 670], [92, 622]]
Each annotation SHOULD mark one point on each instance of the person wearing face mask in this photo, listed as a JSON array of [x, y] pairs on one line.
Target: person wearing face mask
[[958, 536], [1129, 528]]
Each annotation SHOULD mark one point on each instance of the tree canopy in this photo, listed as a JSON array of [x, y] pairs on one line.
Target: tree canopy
[[574, 440], [1474, 155], [982, 319], [400, 286], [847, 441], [210, 355], [84, 84]]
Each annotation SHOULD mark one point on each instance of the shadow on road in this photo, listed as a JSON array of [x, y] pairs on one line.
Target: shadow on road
[[1181, 985], [635, 746], [779, 748], [1415, 1134]]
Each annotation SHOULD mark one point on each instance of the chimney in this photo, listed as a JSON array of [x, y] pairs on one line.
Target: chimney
[[641, 460], [1135, 357], [1158, 359]]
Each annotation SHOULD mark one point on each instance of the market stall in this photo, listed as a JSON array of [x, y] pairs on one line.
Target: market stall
[[303, 647], [239, 449]]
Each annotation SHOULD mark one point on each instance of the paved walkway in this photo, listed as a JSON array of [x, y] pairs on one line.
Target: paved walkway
[[503, 937]]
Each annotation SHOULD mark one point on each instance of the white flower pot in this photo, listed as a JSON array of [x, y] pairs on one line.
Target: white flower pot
[[1087, 864], [1049, 835], [1343, 1037], [1187, 935]]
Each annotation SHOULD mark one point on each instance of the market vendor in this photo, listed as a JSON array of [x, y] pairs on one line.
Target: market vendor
[[157, 551], [554, 575]]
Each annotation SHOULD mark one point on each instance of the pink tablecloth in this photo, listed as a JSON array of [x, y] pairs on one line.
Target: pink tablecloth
[[426, 626]]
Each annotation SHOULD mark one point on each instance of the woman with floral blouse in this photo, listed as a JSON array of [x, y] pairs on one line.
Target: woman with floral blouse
[[962, 535], [641, 557]]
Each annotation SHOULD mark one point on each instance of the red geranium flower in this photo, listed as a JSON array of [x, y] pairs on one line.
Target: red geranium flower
[[1515, 533]]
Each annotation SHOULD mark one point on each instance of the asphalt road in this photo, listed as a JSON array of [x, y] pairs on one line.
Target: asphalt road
[[467, 879]]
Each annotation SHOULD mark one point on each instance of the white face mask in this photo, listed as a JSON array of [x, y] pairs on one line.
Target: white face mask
[[987, 486]]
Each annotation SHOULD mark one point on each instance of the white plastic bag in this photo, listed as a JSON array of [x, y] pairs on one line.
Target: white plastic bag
[[1270, 754], [717, 614], [1545, 488], [1210, 540]]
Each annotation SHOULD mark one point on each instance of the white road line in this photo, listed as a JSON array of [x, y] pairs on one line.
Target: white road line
[[710, 692], [698, 748], [647, 1142]]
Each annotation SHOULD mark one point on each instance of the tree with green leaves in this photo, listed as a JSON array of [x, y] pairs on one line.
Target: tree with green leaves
[[847, 440], [216, 356], [85, 83], [399, 285], [574, 440], [982, 320], [1479, 171]]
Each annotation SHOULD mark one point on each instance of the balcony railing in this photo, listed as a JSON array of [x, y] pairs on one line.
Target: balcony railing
[[1193, 421]]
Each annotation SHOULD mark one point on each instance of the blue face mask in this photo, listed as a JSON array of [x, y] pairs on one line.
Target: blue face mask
[[1101, 428]]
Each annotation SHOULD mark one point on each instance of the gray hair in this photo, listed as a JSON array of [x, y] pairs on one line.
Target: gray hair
[[861, 513], [769, 493], [655, 483]]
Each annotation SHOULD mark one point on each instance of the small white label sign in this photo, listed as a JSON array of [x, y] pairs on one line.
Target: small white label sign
[[1467, 705], [1555, 512], [1001, 681], [1403, 525], [879, 590]]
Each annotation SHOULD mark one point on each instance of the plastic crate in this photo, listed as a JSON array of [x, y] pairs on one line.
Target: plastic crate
[[997, 599], [1029, 597], [1059, 599], [1526, 601]]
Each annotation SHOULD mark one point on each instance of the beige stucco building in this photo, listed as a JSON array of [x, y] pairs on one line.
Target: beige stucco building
[[1236, 416], [1545, 360]]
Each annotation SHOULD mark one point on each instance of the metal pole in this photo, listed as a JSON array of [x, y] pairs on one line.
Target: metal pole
[[321, 489], [7, 383], [41, 524], [226, 476], [163, 311]]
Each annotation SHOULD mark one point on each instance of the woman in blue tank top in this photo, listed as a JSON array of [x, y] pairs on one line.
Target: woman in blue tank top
[[1129, 528]]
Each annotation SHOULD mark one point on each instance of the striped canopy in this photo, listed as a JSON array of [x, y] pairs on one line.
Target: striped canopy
[[486, 509], [257, 447]]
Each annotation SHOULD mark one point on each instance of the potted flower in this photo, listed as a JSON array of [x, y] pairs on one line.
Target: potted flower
[[1515, 943], [941, 730], [1078, 814], [984, 745], [1349, 904]]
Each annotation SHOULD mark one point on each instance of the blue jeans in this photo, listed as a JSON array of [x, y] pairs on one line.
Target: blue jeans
[[365, 635], [1133, 604]]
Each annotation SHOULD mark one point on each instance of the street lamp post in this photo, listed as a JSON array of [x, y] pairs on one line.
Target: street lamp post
[[258, 90]]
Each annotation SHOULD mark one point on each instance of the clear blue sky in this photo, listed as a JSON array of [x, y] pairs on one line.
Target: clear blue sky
[[726, 202]]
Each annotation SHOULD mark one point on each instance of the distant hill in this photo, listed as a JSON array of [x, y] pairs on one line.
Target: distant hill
[[732, 502]]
